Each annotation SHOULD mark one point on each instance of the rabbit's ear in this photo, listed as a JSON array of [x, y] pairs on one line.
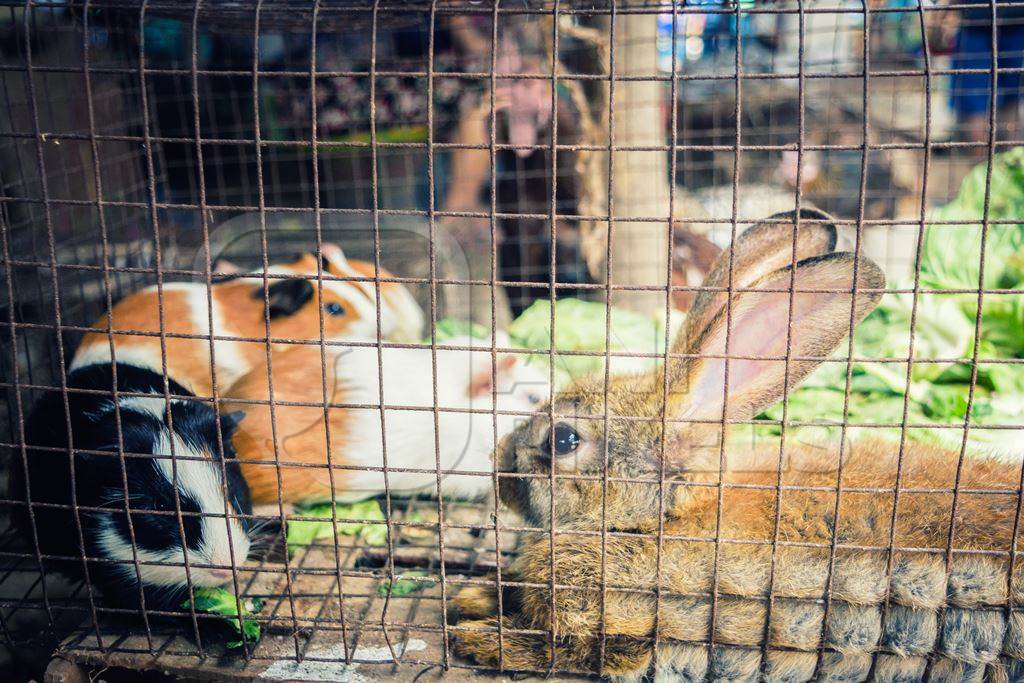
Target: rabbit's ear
[[762, 249], [763, 327]]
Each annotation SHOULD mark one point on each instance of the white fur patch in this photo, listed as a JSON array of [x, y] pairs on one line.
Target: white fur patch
[[466, 440], [407, 313], [142, 356], [200, 480], [226, 352], [155, 405]]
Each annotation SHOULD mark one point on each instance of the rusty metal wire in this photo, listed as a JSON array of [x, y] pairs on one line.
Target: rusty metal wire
[[150, 194]]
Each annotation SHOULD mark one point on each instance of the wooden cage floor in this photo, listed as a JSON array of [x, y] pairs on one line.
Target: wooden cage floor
[[303, 632]]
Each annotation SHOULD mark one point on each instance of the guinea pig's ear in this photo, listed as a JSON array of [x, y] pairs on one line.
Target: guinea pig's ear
[[286, 296], [332, 254], [225, 267], [229, 422]]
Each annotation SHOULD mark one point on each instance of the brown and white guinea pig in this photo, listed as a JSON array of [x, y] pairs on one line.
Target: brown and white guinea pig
[[463, 445], [215, 538], [239, 310], [402, 318]]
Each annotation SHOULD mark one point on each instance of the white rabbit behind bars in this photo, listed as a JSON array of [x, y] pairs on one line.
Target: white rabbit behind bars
[[785, 610], [464, 443]]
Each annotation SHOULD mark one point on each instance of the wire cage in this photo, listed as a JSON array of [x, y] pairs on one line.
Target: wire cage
[[287, 286]]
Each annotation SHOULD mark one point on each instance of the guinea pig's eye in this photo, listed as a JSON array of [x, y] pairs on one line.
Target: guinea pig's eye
[[334, 308], [562, 440], [534, 399]]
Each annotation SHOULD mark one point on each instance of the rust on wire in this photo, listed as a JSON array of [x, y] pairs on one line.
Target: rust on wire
[[52, 249], [94, 208]]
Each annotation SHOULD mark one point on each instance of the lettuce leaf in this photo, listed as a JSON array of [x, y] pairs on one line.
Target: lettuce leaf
[[304, 532], [944, 328], [222, 601], [447, 328], [581, 326], [405, 583]]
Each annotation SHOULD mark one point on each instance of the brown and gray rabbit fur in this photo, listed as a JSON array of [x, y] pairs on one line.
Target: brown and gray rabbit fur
[[789, 606]]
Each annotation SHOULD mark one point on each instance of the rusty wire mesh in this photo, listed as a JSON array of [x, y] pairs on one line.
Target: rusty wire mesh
[[140, 142]]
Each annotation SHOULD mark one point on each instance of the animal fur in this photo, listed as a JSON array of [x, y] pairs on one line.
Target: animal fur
[[238, 310], [797, 552], [916, 621], [290, 451]]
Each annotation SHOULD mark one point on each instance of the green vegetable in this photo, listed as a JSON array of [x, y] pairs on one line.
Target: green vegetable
[[405, 583], [951, 253], [304, 532], [938, 391], [448, 328], [944, 328], [375, 534], [580, 326], [222, 601]]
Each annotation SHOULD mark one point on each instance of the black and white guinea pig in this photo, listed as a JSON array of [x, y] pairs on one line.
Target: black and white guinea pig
[[160, 549]]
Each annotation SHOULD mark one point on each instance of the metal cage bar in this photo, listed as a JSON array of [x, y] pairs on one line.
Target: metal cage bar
[[142, 144]]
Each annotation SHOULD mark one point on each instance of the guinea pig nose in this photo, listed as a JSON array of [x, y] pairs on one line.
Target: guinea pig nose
[[221, 573]]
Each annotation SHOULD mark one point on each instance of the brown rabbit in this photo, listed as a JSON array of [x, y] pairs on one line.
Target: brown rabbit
[[776, 598]]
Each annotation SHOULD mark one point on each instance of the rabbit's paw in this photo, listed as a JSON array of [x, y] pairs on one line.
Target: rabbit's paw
[[625, 656], [476, 602], [478, 639]]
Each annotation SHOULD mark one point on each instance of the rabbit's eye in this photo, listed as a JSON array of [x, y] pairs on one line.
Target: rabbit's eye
[[334, 308], [563, 440]]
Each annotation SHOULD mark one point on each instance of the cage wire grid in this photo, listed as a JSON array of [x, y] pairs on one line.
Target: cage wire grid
[[92, 212]]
